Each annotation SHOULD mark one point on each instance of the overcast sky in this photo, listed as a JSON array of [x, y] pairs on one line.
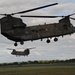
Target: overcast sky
[[63, 49]]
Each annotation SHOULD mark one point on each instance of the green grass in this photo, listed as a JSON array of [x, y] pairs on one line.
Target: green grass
[[38, 70]]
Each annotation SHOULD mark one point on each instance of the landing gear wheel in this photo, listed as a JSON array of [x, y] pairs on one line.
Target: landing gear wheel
[[15, 44], [48, 41], [55, 39], [21, 42]]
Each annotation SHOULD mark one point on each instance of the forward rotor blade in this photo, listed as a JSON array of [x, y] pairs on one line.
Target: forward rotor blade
[[10, 49], [35, 9], [40, 16], [3, 14]]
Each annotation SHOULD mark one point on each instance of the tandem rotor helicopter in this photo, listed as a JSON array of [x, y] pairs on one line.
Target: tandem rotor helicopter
[[14, 29], [26, 52]]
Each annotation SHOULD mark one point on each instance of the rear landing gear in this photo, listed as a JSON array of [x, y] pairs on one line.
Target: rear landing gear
[[48, 41], [22, 42], [15, 44], [55, 39]]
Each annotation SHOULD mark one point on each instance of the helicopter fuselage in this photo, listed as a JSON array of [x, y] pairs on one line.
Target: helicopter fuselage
[[17, 31], [21, 53]]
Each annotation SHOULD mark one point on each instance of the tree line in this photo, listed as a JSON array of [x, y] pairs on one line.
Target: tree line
[[39, 62]]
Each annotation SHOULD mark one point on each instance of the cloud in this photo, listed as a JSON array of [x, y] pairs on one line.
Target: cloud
[[37, 53], [63, 49]]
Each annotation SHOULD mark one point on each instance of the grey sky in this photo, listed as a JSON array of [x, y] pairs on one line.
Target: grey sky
[[63, 49]]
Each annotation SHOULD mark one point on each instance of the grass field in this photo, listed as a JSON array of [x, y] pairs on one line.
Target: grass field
[[38, 70]]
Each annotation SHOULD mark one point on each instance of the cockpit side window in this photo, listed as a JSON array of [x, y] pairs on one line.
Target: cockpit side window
[[18, 23]]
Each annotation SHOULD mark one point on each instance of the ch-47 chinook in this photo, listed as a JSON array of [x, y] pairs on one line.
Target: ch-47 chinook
[[14, 29], [26, 52]]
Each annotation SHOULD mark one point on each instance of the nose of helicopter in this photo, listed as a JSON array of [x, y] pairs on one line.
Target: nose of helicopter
[[12, 53], [73, 29], [0, 28]]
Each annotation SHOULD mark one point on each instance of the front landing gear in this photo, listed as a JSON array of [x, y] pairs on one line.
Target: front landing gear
[[15, 44]]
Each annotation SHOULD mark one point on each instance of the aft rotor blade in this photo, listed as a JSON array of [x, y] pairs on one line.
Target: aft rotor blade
[[35, 9], [31, 48], [40, 16], [72, 18], [72, 14], [27, 48]]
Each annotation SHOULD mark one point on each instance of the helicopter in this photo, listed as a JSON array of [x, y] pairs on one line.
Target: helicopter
[[14, 29], [26, 52]]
